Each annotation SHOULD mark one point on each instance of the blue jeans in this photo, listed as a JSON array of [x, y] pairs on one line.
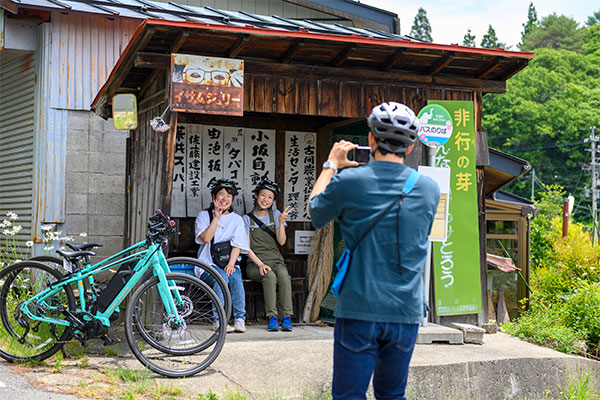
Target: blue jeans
[[236, 287], [363, 347]]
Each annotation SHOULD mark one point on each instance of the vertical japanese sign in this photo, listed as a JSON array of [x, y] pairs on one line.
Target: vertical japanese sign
[[259, 160], [300, 155], [212, 156], [207, 85], [233, 162], [194, 170], [179, 174], [456, 260]]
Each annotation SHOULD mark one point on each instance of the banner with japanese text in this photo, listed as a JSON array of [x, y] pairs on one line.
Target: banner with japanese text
[[300, 157], [456, 260], [233, 163], [194, 170], [259, 160]]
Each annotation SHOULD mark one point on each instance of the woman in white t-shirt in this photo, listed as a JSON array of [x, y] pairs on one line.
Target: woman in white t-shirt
[[216, 228]]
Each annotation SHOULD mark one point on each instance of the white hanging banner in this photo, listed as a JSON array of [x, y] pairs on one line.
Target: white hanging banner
[[194, 170], [259, 160], [233, 162], [178, 191], [299, 178], [212, 156]]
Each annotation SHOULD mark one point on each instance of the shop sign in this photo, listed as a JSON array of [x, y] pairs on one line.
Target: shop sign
[[300, 157], [207, 85], [303, 241], [436, 125], [259, 161], [456, 259]]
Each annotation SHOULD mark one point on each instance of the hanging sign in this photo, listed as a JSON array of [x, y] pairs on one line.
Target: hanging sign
[[194, 170], [207, 85], [436, 125], [300, 156], [259, 160], [233, 163], [456, 259], [212, 156], [178, 190]]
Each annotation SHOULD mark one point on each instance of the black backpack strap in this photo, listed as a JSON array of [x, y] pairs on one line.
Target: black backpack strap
[[262, 226]]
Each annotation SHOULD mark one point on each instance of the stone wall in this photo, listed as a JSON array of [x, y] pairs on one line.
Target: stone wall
[[95, 180]]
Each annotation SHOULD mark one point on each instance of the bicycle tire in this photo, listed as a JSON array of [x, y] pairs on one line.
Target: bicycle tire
[[22, 339], [228, 305], [175, 351]]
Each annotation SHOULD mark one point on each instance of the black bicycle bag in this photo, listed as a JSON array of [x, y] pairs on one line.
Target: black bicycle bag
[[115, 285]]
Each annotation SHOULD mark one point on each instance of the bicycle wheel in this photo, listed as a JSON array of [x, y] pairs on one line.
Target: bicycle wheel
[[21, 337], [214, 274], [165, 347]]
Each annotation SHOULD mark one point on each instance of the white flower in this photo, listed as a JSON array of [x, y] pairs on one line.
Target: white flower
[[5, 224], [17, 228], [66, 239], [83, 234], [12, 216], [29, 243], [46, 228], [49, 248], [8, 232]]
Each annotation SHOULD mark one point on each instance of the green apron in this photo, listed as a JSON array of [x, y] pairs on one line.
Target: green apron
[[267, 249]]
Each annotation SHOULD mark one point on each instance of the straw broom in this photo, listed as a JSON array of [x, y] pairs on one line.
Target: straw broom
[[320, 263]]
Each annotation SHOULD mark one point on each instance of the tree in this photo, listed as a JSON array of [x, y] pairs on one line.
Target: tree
[[545, 115], [490, 40], [555, 32], [469, 39], [531, 23], [421, 28], [594, 19]]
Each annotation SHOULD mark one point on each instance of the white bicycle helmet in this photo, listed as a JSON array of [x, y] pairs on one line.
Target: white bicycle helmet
[[394, 125]]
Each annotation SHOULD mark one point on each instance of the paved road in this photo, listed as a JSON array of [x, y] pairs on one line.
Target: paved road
[[12, 386]]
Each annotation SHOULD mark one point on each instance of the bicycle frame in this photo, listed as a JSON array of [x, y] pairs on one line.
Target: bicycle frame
[[150, 257]]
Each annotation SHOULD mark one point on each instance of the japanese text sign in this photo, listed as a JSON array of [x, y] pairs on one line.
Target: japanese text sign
[[456, 260], [207, 85], [300, 157]]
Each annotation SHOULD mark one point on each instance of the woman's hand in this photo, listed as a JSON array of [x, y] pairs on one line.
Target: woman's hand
[[229, 269], [263, 269], [285, 214], [218, 210]]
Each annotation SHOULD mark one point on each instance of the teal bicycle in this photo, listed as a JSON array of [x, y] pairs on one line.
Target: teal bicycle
[[168, 321]]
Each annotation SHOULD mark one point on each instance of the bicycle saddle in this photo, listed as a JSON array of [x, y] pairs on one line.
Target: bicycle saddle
[[83, 246], [74, 255]]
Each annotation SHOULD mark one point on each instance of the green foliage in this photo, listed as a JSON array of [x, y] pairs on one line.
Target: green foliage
[[554, 32], [545, 115], [421, 28], [583, 386], [490, 40], [593, 19], [531, 23], [549, 206], [469, 39]]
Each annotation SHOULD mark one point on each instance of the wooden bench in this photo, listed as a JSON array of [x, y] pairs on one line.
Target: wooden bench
[[255, 304]]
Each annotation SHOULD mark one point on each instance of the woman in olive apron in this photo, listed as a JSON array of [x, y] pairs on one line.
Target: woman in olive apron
[[266, 229]]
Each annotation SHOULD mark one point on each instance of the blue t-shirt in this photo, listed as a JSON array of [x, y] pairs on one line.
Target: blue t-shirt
[[375, 287]]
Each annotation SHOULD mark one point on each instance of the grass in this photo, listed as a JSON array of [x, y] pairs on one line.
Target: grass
[[583, 385]]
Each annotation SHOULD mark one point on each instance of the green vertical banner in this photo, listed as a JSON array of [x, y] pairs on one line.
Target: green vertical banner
[[456, 260]]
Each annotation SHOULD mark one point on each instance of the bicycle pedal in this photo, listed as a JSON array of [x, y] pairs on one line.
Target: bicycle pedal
[[109, 341]]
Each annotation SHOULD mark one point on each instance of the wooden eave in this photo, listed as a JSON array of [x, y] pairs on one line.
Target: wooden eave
[[281, 52]]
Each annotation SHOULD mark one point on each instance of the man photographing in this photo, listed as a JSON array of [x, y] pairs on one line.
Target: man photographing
[[385, 210]]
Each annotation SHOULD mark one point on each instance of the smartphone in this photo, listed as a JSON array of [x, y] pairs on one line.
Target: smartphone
[[362, 155]]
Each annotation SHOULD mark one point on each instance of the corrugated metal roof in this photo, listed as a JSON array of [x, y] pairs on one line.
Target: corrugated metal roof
[[172, 11]]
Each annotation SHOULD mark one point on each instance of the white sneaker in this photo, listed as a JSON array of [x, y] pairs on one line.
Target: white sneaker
[[239, 325], [228, 329]]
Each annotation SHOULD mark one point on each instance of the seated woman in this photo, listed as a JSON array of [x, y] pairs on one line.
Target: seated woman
[[220, 231], [266, 230]]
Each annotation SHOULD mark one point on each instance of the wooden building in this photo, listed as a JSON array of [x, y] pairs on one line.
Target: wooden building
[[298, 76]]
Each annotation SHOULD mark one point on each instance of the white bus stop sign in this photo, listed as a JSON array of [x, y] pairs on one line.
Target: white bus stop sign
[[436, 125]]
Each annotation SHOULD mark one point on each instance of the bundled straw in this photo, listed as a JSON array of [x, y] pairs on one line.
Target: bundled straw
[[320, 263]]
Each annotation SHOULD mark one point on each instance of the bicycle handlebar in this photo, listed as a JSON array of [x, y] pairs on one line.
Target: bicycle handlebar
[[160, 227]]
